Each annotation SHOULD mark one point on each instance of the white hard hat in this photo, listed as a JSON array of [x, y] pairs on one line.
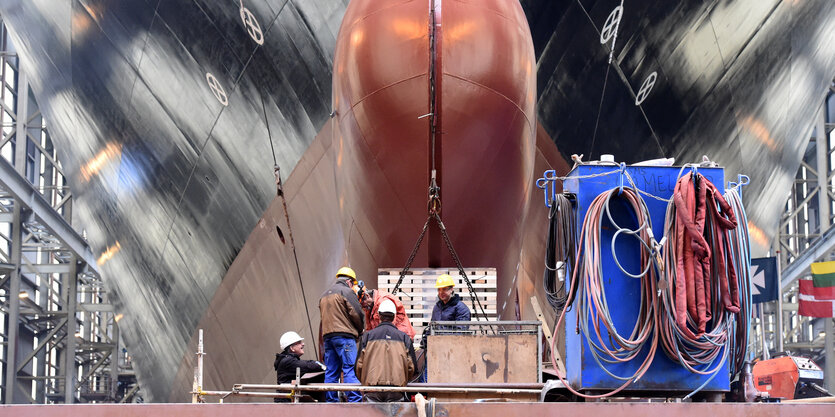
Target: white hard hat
[[288, 339], [387, 306]]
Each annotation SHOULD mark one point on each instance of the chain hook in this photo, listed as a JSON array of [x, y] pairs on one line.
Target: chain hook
[[434, 204]]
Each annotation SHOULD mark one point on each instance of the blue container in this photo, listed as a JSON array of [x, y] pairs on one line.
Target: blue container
[[623, 292]]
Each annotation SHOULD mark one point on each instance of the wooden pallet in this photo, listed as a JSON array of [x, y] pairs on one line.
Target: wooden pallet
[[418, 293]]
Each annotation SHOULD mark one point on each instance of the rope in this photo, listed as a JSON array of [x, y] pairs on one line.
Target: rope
[[267, 122], [280, 192]]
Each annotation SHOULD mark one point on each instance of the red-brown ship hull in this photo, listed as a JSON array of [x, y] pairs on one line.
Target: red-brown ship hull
[[359, 194], [467, 68]]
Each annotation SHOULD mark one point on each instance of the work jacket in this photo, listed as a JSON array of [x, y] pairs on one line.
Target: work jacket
[[453, 310], [386, 357], [286, 363], [401, 321], [341, 311]]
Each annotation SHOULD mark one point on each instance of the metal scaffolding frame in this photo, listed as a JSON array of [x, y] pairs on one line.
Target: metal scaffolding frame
[[805, 236], [60, 337]]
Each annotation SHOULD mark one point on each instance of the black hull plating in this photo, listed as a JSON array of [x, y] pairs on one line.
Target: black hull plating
[[187, 177]]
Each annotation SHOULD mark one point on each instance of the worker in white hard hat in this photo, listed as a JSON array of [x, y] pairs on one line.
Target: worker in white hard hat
[[387, 357], [286, 362], [342, 323]]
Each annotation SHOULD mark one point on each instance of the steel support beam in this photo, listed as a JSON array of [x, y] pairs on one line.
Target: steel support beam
[[68, 364], [829, 354], [46, 339], [96, 308], [20, 124], [13, 314], [114, 362], [46, 268], [17, 171], [800, 266], [26, 193]]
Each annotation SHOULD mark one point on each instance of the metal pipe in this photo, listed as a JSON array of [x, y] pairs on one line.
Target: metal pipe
[[492, 323], [779, 313], [365, 388], [539, 352], [510, 385], [829, 354], [812, 400], [765, 355], [200, 354], [243, 394], [197, 385]]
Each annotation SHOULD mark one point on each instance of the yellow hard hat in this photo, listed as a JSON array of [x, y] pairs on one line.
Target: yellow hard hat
[[346, 272], [444, 280]]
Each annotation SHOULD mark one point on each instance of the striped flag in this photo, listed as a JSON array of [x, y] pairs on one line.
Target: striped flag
[[810, 304], [823, 276]]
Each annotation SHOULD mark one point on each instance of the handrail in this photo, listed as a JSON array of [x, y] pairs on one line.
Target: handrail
[[427, 388]]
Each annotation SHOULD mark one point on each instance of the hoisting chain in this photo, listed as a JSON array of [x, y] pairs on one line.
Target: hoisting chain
[[411, 257], [434, 209], [461, 271]]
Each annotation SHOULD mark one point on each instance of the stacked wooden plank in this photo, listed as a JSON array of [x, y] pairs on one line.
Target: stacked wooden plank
[[418, 293]]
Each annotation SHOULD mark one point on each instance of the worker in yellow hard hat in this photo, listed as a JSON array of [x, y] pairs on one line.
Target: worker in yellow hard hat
[[449, 306], [343, 321], [345, 273]]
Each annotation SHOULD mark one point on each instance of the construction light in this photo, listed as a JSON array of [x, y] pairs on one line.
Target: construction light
[[23, 295], [118, 317]]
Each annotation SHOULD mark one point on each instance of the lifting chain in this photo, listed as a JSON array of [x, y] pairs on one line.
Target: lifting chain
[[434, 210]]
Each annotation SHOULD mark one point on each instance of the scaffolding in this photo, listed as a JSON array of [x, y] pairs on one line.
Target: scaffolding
[[60, 337], [805, 235]]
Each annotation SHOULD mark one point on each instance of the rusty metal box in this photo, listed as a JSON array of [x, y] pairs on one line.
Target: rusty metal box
[[504, 354]]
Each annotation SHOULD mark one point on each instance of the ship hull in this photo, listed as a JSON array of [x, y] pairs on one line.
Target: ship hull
[[186, 179], [359, 195]]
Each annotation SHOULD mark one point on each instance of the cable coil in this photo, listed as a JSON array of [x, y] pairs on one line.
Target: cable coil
[[698, 308], [590, 291], [695, 300], [559, 251]]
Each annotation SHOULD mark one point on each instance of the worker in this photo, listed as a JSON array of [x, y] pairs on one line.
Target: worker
[[342, 323], [387, 357], [449, 306], [371, 300], [286, 362]]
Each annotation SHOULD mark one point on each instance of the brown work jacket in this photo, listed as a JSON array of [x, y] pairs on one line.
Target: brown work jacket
[[340, 311], [386, 357]]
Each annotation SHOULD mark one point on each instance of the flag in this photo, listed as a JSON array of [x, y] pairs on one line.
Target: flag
[[810, 304], [823, 277], [764, 285]]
